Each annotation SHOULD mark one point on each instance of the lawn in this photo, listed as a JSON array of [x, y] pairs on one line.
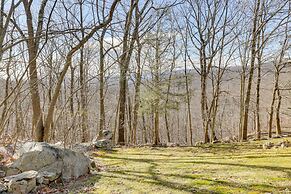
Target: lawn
[[218, 168]]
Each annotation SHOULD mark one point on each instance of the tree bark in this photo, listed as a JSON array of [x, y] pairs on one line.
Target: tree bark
[[101, 84], [251, 73], [127, 47]]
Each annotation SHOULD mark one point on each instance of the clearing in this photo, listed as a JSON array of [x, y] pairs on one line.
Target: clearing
[[218, 168]]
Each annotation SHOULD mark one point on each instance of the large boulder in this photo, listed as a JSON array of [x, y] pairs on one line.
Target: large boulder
[[74, 164], [35, 156], [44, 157]]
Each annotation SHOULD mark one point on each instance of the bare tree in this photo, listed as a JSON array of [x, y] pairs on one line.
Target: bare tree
[[127, 47], [68, 62]]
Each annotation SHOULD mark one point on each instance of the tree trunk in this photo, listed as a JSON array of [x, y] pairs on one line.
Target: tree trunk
[[84, 111], [101, 84], [127, 47], [258, 121], [251, 74], [68, 63], [136, 95], [272, 108], [129, 118], [278, 121], [122, 103]]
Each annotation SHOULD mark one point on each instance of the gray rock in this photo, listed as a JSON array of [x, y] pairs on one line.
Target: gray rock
[[56, 167], [21, 187], [104, 141], [42, 157], [46, 177], [37, 157], [103, 144], [22, 183], [12, 171], [22, 176], [74, 164], [59, 144], [40, 180], [38, 147], [51, 176], [83, 147]]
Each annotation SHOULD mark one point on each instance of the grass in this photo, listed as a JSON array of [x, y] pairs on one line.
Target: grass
[[219, 168]]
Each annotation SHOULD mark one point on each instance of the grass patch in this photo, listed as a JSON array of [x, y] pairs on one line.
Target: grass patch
[[219, 168]]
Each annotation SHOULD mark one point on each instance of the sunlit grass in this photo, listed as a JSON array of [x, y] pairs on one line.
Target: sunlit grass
[[219, 168]]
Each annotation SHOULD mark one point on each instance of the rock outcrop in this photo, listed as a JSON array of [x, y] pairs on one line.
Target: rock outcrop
[[41, 163], [44, 157]]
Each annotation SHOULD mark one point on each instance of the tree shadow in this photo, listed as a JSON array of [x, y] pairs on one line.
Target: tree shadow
[[154, 179], [192, 161], [153, 176], [225, 156]]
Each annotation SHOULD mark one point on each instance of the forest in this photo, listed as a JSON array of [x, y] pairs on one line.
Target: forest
[[133, 83]]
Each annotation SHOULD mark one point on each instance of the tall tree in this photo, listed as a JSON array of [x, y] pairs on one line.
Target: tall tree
[[127, 47], [251, 73], [33, 41], [68, 63]]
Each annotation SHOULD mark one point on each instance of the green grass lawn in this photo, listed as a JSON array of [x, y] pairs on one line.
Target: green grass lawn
[[219, 168]]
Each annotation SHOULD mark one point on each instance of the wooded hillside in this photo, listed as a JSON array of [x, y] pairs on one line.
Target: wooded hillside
[[151, 72]]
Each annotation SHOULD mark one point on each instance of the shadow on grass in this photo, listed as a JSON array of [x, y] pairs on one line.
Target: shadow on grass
[[225, 156], [153, 177], [191, 161]]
